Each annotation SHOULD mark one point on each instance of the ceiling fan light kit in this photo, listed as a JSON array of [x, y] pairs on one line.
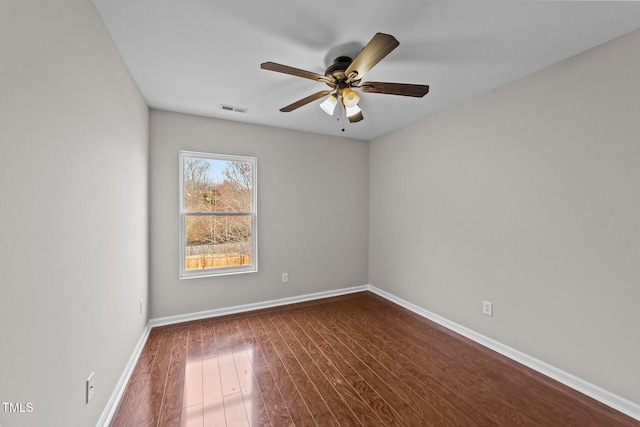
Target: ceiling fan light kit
[[345, 74]]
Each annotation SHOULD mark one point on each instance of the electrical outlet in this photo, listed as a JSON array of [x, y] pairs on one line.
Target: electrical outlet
[[141, 307], [90, 387], [487, 308], [285, 277]]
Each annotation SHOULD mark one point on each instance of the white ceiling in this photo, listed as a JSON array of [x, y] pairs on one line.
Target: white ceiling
[[192, 56]]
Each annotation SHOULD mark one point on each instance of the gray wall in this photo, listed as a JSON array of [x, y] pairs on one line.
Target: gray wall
[[312, 213], [527, 196], [73, 221]]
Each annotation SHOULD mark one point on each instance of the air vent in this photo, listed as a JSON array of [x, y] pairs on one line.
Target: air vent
[[234, 109]]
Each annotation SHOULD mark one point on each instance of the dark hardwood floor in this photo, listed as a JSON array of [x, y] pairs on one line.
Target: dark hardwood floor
[[354, 360]]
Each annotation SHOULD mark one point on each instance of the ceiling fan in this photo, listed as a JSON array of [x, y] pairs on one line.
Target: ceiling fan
[[345, 74]]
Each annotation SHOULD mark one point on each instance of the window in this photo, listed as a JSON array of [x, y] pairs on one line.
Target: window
[[217, 215]]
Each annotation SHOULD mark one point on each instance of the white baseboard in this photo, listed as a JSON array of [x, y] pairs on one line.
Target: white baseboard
[[170, 320], [612, 400], [110, 410]]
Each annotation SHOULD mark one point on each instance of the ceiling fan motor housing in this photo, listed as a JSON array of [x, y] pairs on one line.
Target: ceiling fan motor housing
[[336, 72]]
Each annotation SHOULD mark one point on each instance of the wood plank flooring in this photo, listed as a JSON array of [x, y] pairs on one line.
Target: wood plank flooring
[[354, 360]]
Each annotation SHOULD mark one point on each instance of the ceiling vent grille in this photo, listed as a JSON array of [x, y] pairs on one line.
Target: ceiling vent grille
[[234, 109]]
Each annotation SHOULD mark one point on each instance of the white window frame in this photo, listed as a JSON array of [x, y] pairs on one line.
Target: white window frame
[[220, 271]]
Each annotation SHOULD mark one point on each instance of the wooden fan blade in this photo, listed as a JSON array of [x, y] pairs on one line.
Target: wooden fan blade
[[279, 68], [377, 48], [356, 117], [403, 89], [305, 101]]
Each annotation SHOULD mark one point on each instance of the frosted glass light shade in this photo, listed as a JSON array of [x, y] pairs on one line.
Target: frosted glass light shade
[[350, 111], [350, 97], [329, 104]]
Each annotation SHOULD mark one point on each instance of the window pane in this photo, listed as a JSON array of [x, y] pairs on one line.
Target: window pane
[[215, 185], [217, 241], [218, 214]]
